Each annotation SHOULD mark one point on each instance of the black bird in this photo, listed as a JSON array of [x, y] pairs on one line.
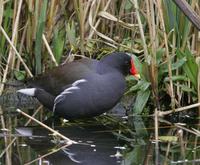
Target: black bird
[[83, 88]]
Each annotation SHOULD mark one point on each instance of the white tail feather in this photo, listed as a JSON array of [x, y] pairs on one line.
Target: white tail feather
[[28, 91]]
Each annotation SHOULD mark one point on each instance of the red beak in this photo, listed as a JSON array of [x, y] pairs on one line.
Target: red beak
[[133, 70]]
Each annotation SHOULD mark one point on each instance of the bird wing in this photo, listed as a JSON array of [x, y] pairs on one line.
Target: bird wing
[[56, 79]]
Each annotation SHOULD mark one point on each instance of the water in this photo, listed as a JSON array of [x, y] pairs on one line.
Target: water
[[106, 140]]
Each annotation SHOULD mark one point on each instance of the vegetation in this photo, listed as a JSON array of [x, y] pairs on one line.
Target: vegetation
[[37, 35]]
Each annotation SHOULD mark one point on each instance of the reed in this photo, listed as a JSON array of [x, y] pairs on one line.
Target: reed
[[37, 35]]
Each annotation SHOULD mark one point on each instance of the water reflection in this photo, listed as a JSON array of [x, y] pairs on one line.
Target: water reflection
[[96, 145], [109, 139]]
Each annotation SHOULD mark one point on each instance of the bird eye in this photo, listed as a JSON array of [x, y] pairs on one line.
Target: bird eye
[[127, 62]]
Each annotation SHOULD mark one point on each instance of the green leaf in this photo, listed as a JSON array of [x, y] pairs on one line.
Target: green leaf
[[186, 88], [190, 67], [39, 32], [159, 55], [168, 138], [175, 65], [58, 44], [140, 127], [136, 156], [135, 87], [20, 75], [8, 13], [71, 35], [144, 85], [176, 78], [6, 25], [141, 85], [128, 5], [141, 100], [123, 137]]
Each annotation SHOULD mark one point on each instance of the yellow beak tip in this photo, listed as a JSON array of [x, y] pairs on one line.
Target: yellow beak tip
[[137, 76]]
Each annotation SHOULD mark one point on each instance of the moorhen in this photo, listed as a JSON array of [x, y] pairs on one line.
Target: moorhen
[[83, 88]]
